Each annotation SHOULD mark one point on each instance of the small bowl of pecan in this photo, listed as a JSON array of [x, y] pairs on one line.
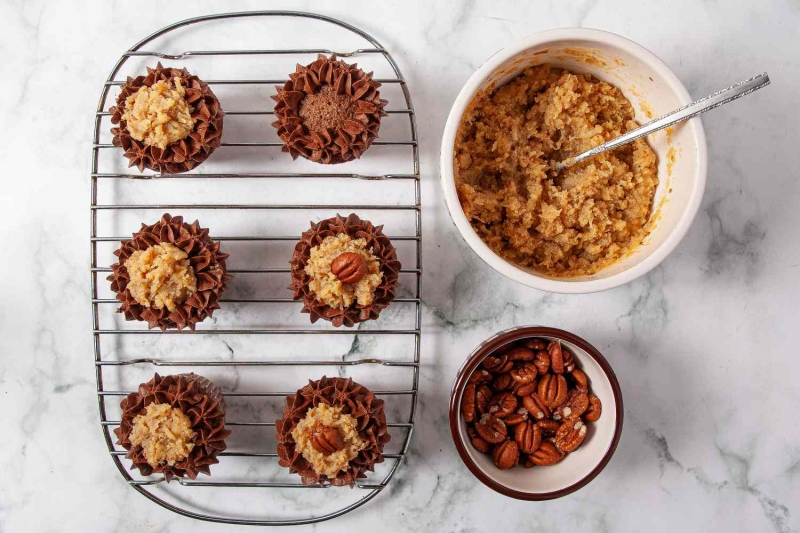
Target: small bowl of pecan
[[536, 413]]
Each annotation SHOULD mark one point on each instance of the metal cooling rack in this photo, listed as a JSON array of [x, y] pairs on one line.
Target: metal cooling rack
[[400, 429]]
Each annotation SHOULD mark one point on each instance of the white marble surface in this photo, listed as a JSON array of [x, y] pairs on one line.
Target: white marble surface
[[704, 346]]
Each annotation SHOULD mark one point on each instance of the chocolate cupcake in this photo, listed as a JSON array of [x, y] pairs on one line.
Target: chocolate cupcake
[[332, 430], [170, 274], [169, 121], [329, 112], [344, 271], [173, 425]]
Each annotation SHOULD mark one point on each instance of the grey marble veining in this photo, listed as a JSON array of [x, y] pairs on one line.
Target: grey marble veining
[[704, 345]]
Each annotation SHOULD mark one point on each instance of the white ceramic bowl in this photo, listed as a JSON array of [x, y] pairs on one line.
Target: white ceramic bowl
[[653, 89], [576, 469]]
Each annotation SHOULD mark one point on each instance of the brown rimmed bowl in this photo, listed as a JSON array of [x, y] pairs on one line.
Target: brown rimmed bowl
[[579, 467]]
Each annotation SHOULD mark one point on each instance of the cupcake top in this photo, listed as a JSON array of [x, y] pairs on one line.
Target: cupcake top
[[170, 274], [329, 112], [344, 271], [169, 120], [332, 430], [173, 425]]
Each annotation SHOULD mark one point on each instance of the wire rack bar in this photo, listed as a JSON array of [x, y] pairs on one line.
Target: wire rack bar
[[268, 271], [255, 175], [274, 144], [161, 362], [273, 207], [268, 394], [257, 82], [257, 113], [400, 425], [295, 51], [250, 238], [370, 487]]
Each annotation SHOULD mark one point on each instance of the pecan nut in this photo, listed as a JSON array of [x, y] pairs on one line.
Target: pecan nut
[[502, 382], [497, 365], [503, 404], [491, 429], [570, 435], [479, 444], [535, 344], [468, 404], [520, 354], [542, 362], [580, 380], [517, 417], [349, 267], [482, 396], [576, 404], [569, 360], [552, 390], [556, 357], [327, 440], [536, 407], [525, 373], [528, 436], [549, 427], [524, 389], [547, 454], [594, 410], [506, 455], [480, 376]]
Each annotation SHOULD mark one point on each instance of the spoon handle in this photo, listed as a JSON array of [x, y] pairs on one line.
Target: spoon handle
[[679, 115]]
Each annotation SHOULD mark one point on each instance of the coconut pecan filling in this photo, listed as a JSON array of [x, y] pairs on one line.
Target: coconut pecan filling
[[159, 115], [328, 439], [164, 433], [339, 291], [160, 276]]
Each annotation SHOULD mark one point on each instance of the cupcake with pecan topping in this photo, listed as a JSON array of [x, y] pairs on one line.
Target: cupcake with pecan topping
[[344, 271], [170, 274], [173, 425], [329, 112], [332, 431], [169, 121]]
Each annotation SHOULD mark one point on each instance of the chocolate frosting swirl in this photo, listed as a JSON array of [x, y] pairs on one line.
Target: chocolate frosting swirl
[[205, 258], [383, 250], [200, 400], [182, 155], [355, 400], [349, 139]]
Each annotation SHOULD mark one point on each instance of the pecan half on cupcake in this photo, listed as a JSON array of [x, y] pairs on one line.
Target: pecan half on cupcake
[[169, 121], [332, 430], [344, 271], [329, 112], [170, 274], [173, 425]]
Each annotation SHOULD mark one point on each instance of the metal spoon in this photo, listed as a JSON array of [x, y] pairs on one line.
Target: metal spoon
[[679, 115]]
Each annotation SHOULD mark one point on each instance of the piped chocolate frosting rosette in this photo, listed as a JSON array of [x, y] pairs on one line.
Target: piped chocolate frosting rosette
[[184, 154], [359, 423], [381, 249], [205, 259], [203, 406], [329, 112]]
